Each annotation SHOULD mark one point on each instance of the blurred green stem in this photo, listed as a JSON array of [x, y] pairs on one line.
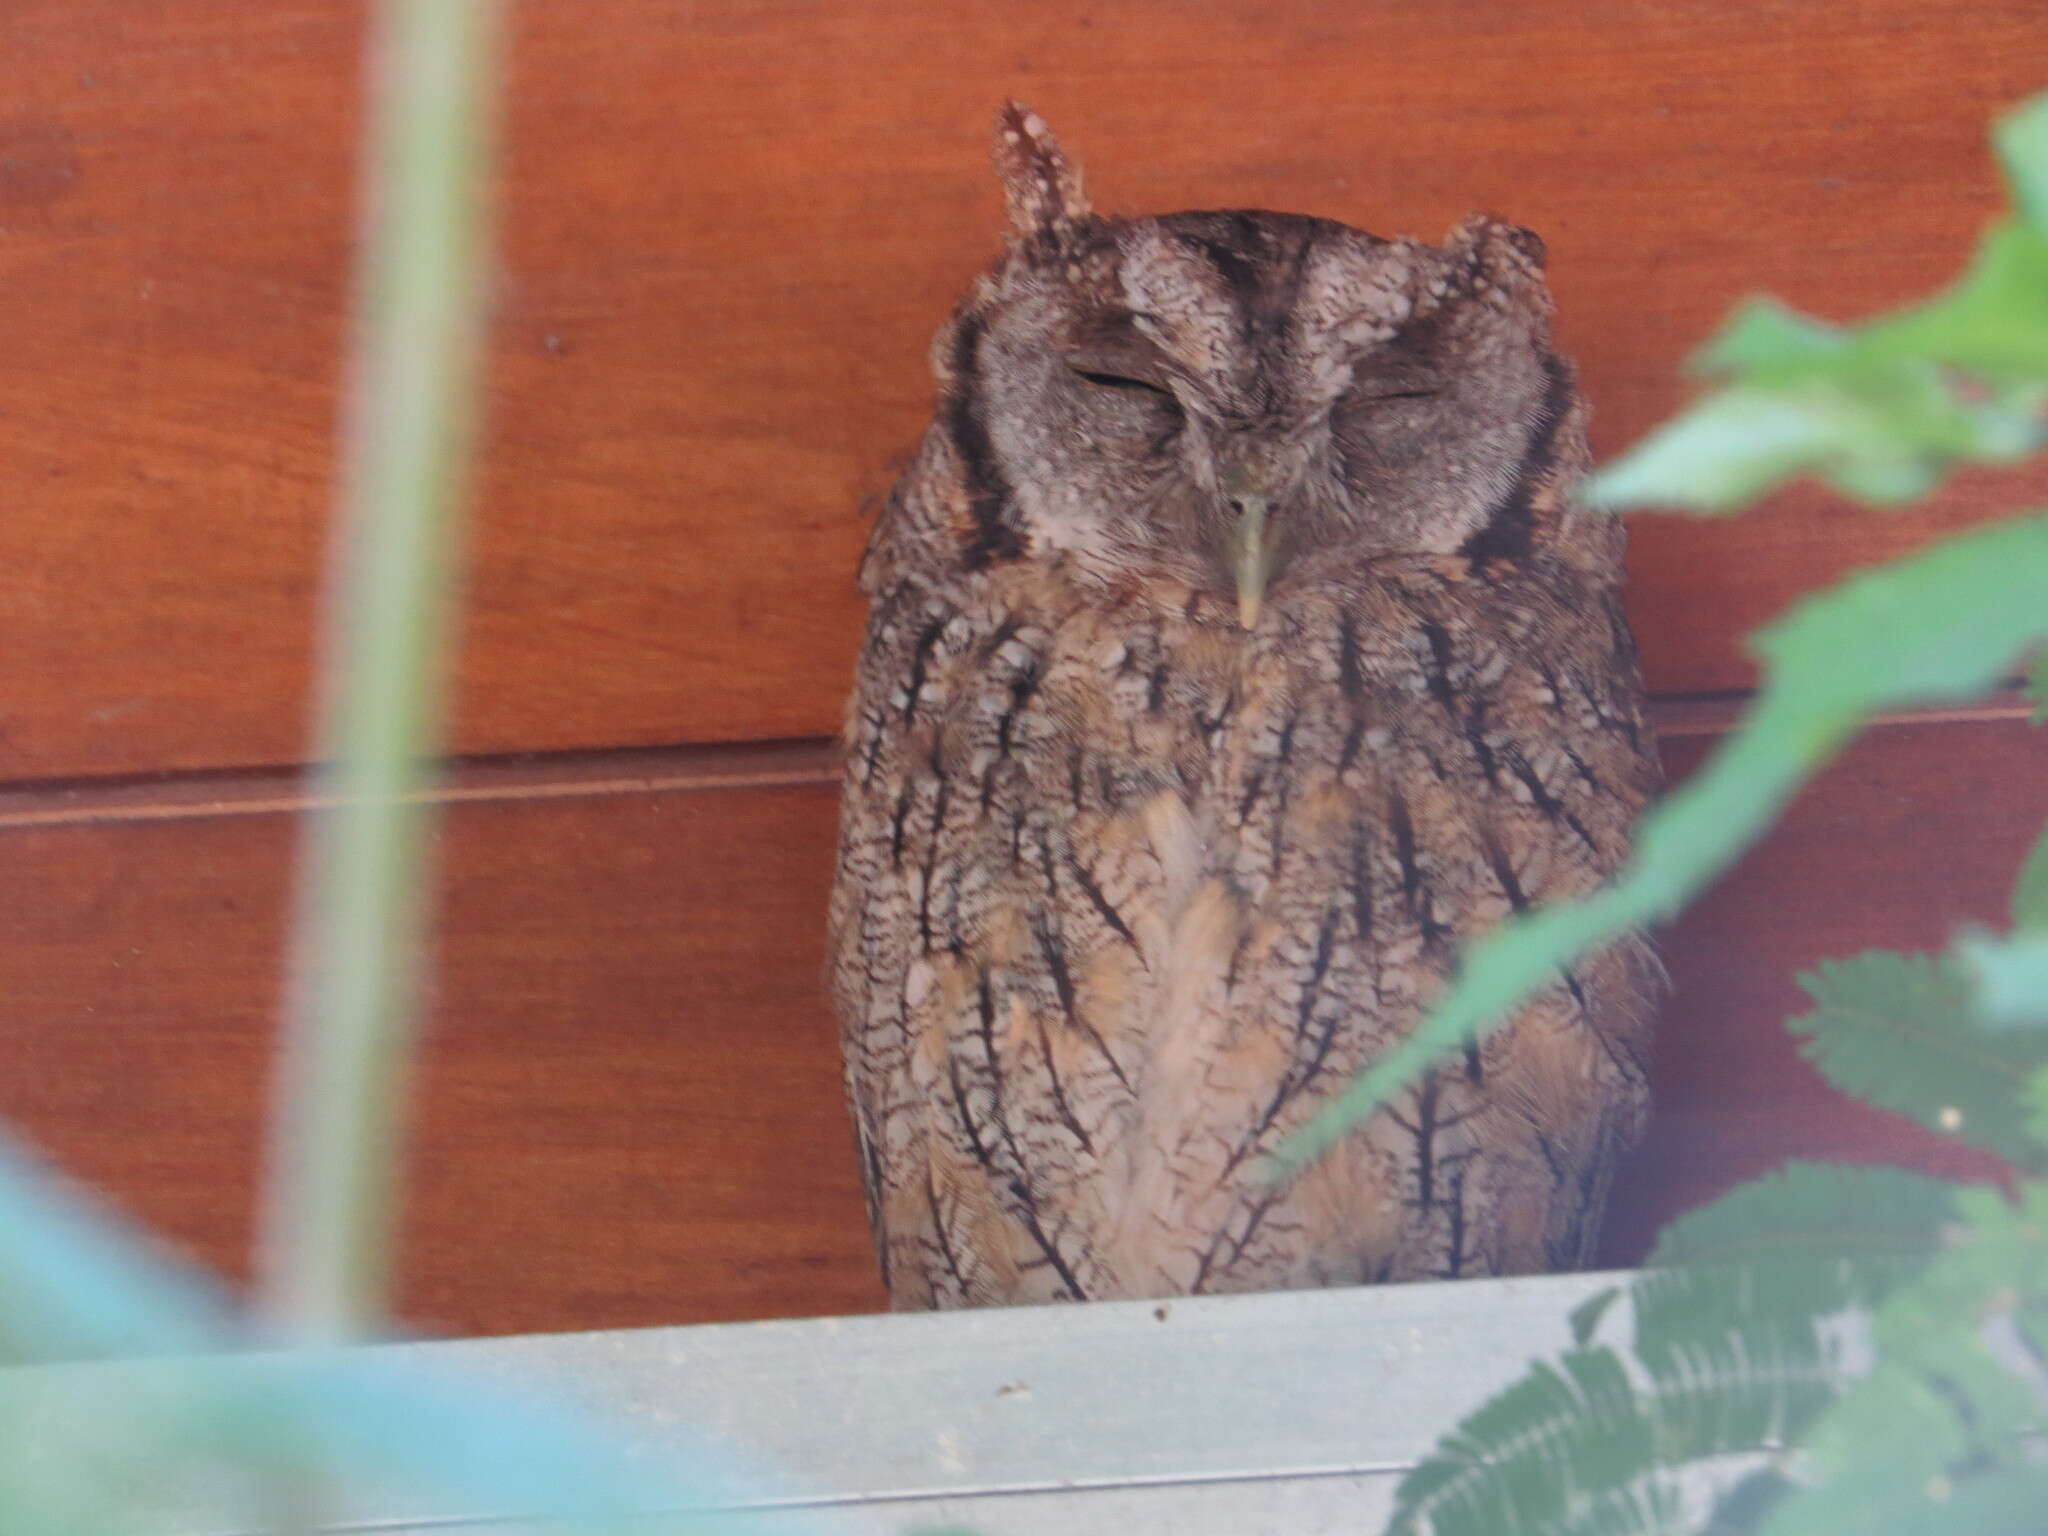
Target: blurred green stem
[[326, 1236]]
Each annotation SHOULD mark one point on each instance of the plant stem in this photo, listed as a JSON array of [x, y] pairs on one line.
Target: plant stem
[[331, 1176]]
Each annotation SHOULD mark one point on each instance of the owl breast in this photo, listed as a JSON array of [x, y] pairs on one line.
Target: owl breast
[[1127, 892]]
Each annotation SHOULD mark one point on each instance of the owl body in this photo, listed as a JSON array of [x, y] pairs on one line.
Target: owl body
[[1236, 651]]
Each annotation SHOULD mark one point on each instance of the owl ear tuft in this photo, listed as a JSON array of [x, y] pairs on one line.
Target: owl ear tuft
[[1495, 262], [1496, 249], [1041, 187]]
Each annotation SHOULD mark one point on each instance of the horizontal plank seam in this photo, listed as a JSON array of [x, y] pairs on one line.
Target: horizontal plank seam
[[590, 774]]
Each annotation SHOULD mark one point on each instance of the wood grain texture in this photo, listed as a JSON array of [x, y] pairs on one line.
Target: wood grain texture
[[730, 231], [1915, 832], [628, 1105], [628, 1111]]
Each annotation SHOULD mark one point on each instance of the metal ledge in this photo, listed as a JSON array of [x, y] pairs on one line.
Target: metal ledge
[[1291, 1412]]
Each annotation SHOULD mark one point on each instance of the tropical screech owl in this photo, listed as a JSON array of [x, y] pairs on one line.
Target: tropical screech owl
[[1237, 649]]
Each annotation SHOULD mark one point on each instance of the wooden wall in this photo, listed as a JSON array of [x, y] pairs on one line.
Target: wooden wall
[[729, 229]]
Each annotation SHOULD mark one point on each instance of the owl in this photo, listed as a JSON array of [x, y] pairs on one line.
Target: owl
[[1238, 649]]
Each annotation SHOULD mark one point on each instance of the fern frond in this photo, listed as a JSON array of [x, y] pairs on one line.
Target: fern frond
[[1580, 1447], [1731, 1330], [1654, 1507], [1509, 1465], [1752, 1386], [1900, 1031], [1733, 1359], [1943, 1408]]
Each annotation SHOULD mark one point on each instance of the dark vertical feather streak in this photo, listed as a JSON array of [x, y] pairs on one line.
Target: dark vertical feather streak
[[1509, 534], [988, 495]]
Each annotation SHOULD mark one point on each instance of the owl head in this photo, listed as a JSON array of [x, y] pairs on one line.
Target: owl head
[[1240, 403]]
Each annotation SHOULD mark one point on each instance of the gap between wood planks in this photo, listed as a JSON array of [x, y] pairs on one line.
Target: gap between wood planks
[[655, 770]]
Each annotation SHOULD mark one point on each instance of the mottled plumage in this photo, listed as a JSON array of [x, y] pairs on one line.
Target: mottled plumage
[[1237, 649]]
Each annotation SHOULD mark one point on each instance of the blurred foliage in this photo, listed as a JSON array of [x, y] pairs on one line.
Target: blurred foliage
[[332, 1171], [1901, 1032], [1827, 1349], [1878, 411], [140, 1401]]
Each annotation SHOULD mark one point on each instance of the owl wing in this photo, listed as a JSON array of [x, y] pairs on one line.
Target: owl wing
[[1415, 762], [1003, 891]]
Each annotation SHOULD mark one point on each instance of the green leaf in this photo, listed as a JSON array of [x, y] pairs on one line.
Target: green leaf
[[123, 1445], [2030, 891], [1587, 1315], [2009, 982], [1880, 435], [2037, 1106], [1943, 624], [1900, 1032], [1992, 323], [1879, 411], [1939, 626], [2021, 141], [1764, 335], [2036, 687]]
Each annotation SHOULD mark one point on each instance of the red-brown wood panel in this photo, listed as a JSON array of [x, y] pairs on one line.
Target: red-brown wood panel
[[729, 231], [628, 1103], [628, 1107], [1919, 829]]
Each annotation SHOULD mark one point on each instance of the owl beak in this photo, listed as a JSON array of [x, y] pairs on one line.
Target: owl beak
[[1251, 556]]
